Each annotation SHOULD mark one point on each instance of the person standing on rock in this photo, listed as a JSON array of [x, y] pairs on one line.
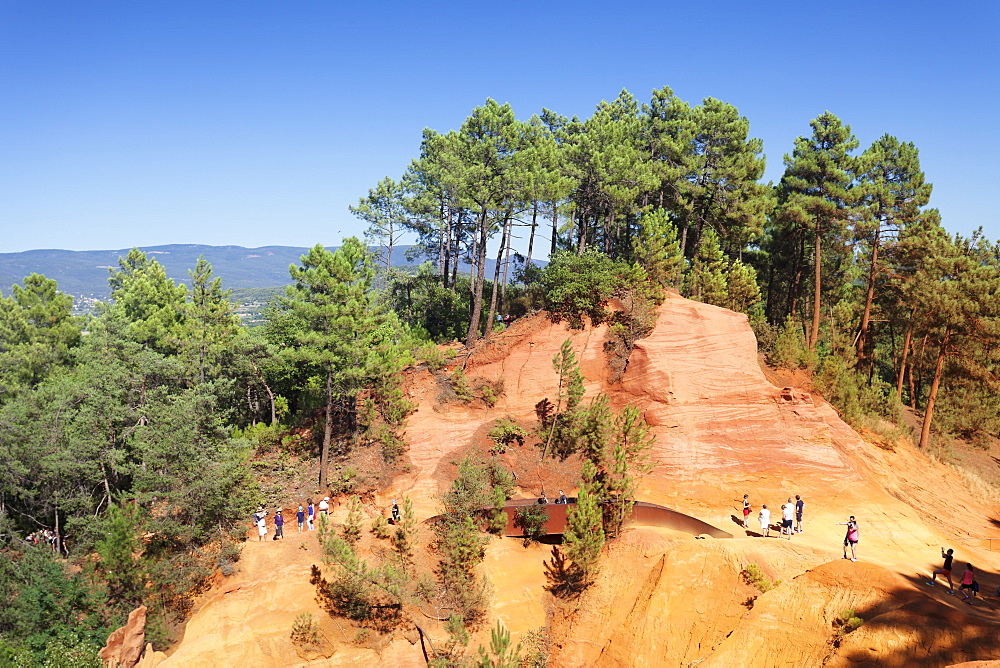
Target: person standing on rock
[[853, 534], [310, 514], [300, 518], [279, 525], [800, 507], [786, 519], [261, 525], [746, 511], [765, 521], [945, 570]]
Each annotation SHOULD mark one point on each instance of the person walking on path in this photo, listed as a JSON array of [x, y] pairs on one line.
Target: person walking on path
[[279, 525], [395, 512], [261, 525], [765, 521], [786, 519], [311, 514], [800, 507], [300, 517], [945, 570], [324, 506], [851, 538], [968, 584], [746, 511]]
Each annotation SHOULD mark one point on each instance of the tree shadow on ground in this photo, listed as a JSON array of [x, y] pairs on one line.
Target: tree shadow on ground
[[565, 579], [933, 631]]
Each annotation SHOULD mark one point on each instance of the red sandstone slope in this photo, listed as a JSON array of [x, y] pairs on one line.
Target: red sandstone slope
[[666, 599]]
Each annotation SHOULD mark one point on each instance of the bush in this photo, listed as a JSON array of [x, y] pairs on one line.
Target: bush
[[305, 630], [532, 520], [504, 432], [435, 357], [754, 576], [847, 621]]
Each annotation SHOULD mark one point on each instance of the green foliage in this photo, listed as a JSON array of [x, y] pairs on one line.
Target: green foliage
[[579, 285], [658, 250], [352, 527], [435, 357], [118, 564], [753, 575], [404, 539], [790, 350], [380, 527], [531, 519], [460, 385], [583, 537], [847, 621], [48, 611], [706, 281], [305, 630], [501, 653], [504, 433]]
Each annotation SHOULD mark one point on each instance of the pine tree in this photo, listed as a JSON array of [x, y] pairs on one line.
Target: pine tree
[[385, 211], [147, 302], [211, 325], [892, 190], [583, 537], [742, 291], [706, 280], [657, 249], [815, 193]]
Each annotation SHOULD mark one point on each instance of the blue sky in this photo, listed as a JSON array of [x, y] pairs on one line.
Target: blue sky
[[257, 123]]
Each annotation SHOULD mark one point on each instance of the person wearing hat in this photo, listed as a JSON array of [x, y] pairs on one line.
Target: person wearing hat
[[395, 511], [279, 525], [300, 517], [324, 505], [261, 524]]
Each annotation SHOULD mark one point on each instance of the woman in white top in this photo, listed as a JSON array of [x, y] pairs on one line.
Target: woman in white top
[[261, 525], [765, 521], [787, 514]]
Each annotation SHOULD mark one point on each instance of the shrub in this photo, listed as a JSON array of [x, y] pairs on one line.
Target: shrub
[[435, 357], [380, 527], [504, 433], [753, 575], [305, 630], [532, 520], [460, 385], [847, 621]]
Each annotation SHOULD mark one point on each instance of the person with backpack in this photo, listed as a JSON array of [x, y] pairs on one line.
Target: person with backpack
[[969, 584], [852, 537]]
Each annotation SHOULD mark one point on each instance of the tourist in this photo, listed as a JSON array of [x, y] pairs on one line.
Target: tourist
[[562, 498], [787, 511], [746, 511], [261, 525], [800, 506], [395, 511], [969, 584], [324, 507], [851, 538], [310, 514], [279, 525], [945, 570], [300, 518], [765, 521]]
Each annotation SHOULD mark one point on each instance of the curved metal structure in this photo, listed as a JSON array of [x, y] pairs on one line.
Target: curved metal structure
[[643, 514]]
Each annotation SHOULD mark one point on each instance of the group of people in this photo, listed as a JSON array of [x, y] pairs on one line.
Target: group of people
[[791, 511], [969, 586], [305, 518], [44, 537], [791, 522], [562, 499]]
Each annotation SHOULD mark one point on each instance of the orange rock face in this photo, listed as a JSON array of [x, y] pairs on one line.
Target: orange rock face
[[663, 598], [124, 646]]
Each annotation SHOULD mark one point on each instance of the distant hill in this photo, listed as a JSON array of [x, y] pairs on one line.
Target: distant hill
[[84, 274]]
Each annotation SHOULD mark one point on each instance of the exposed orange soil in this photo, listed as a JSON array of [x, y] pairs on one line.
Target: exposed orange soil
[[663, 598]]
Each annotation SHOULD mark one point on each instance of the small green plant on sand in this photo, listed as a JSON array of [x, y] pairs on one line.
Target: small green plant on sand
[[847, 621], [305, 630], [504, 433], [753, 575]]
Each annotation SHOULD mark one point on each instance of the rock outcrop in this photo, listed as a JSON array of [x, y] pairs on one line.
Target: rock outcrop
[[125, 644]]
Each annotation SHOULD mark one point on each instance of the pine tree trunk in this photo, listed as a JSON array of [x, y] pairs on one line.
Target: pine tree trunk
[[494, 293], [925, 429], [907, 340], [324, 455], [869, 298], [555, 228], [531, 235], [477, 297], [817, 287]]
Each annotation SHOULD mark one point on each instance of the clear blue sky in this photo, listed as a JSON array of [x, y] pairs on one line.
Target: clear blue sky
[[258, 123]]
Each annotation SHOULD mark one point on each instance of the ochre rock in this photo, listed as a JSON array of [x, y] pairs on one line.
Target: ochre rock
[[124, 646]]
